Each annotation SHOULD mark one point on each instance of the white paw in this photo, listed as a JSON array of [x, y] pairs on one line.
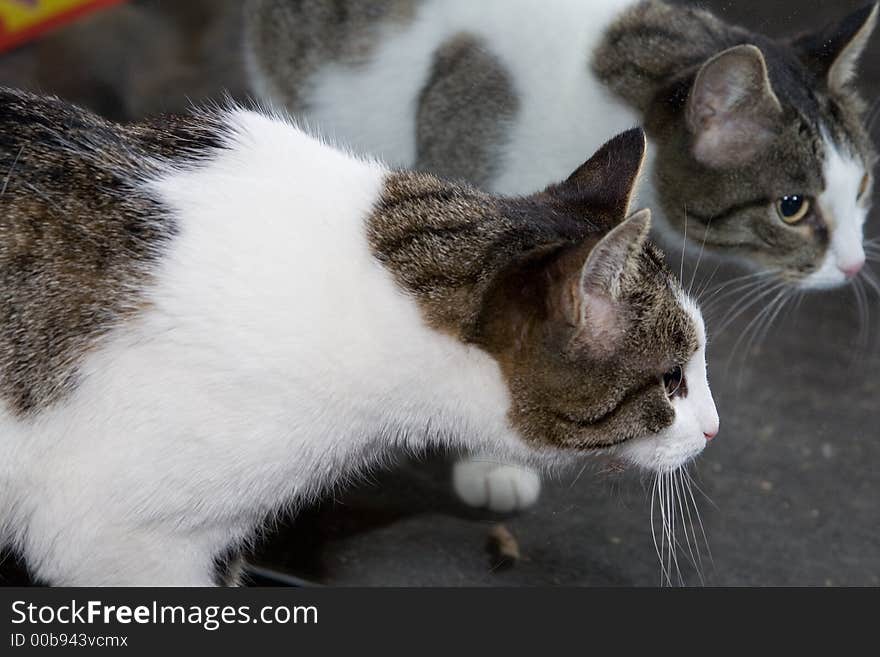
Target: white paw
[[497, 487]]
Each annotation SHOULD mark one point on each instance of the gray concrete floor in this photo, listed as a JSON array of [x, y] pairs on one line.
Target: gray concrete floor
[[793, 478]]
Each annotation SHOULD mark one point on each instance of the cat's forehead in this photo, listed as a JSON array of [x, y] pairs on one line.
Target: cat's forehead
[[806, 95], [798, 161], [679, 329], [693, 316], [684, 334], [822, 117], [844, 133]]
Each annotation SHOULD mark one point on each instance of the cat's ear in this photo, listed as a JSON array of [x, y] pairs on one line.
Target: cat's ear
[[732, 111], [606, 267], [605, 183], [598, 286], [834, 51]]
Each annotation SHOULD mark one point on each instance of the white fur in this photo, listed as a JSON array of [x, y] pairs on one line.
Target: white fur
[[695, 414], [845, 215], [276, 358]]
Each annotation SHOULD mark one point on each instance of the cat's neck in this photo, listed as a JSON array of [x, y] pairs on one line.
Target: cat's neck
[[446, 244]]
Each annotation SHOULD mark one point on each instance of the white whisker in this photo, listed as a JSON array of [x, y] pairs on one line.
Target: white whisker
[[681, 507], [683, 246], [737, 311], [687, 507], [699, 259], [740, 285], [578, 475], [670, 497], [658, 548], [691, 483]]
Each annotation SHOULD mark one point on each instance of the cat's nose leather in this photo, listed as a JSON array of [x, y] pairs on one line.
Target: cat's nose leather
[[852, 270], [710, 435]]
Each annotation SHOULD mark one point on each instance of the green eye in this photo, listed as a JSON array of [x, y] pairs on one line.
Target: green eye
[[793, 208]]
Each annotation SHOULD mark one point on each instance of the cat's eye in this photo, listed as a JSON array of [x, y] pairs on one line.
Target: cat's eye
[[793, 209], [863, 188], [674, 383]]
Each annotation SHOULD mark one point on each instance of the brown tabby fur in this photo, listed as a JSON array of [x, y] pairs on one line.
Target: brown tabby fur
[[77, 233], [651, 57], [508, 276]]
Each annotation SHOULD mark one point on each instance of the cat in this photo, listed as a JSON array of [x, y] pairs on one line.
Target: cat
[[760, 153], [209, 317]]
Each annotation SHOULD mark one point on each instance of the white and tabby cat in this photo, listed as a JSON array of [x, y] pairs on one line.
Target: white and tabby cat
[[209, 317], [760, 152]]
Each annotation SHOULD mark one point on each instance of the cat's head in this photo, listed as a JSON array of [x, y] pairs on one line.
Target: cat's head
[[599, 344], [763, 153]]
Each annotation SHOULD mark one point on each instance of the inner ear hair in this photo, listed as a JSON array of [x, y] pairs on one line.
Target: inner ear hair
[[732, 111], [610, 260], [598, 290]]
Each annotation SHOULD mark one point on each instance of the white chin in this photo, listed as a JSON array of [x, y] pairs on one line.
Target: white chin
[[827, 277], [662, 453], [824, 282]]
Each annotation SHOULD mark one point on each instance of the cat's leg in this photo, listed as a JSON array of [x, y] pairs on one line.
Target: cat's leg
[[464, 112], [484, 483]]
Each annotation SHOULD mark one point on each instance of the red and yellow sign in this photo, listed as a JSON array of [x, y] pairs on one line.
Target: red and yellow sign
[[22, 20]]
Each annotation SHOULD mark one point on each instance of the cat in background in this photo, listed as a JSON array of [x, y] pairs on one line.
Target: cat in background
[[210, 317], [760, 154]]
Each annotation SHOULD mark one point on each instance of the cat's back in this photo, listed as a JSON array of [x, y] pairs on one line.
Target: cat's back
[[177, 284], [78, 233], [365, 80], [204, 219]]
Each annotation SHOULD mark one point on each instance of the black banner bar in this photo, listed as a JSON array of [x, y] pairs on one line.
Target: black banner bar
[[318, 620]]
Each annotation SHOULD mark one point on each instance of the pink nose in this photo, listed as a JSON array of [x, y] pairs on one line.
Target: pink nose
[[852, 270], [711, 434]]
